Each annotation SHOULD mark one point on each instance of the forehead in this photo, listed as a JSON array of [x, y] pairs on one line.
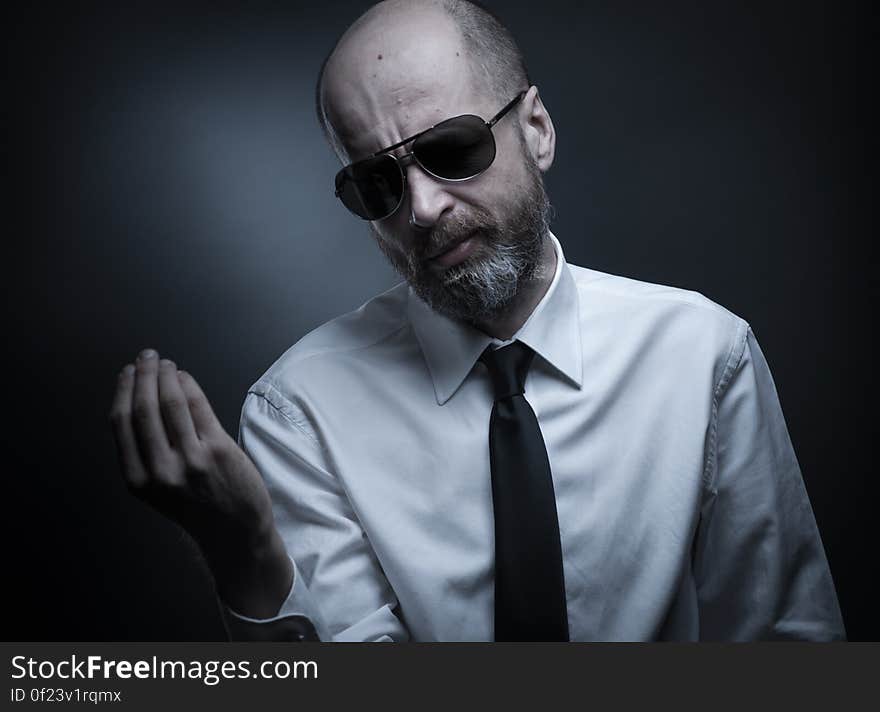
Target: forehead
[[390, 79]]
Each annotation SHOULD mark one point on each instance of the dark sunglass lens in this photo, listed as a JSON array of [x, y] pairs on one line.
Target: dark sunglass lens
[[371, 188], [457, 148]]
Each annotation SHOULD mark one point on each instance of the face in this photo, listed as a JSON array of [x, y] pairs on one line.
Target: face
[[467, 248], [471, 264]]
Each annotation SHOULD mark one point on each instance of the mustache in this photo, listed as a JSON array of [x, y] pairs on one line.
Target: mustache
[[450, 232]]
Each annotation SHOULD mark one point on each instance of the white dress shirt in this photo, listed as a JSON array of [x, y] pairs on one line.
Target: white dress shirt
[[682, 510]]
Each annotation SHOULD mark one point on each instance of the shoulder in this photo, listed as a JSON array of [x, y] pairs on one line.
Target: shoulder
[[625, 292], [681, 325], [327, 352]]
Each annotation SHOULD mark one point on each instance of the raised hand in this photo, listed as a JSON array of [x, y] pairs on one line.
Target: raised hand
[[176, 456]]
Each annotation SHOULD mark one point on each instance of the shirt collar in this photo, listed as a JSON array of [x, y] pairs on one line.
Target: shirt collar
[[451, 348]]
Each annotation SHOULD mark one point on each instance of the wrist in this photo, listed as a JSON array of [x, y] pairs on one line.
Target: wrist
[[253, 579]]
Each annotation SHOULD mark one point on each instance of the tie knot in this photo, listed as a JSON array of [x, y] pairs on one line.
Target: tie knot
[[508, 368]]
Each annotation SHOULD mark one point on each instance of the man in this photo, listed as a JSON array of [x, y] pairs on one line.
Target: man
[[504, 446]]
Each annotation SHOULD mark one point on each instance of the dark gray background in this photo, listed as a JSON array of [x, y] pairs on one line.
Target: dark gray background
[[171, 189]]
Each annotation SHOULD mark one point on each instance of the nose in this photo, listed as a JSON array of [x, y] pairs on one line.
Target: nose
[[428, 197]]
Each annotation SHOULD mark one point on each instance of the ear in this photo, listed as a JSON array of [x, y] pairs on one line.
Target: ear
[[538, 129]]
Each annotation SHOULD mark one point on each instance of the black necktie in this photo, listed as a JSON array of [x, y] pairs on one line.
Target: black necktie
[[529, 581]]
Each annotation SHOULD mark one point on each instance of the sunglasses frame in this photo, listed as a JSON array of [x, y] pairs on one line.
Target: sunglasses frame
[[407, 157]]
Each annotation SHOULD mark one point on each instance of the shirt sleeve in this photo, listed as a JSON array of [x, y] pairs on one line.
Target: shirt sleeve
[[339, 591], [759, 564]]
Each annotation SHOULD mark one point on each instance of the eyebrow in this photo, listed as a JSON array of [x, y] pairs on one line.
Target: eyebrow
[[490, 123], [407, 140]]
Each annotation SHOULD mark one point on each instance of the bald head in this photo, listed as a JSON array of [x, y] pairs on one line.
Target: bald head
[[401, 52]]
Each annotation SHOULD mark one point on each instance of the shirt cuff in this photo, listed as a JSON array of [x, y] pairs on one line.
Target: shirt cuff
[[297, 620]]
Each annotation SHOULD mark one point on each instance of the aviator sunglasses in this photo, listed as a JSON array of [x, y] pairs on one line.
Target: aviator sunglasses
[[457, 149]]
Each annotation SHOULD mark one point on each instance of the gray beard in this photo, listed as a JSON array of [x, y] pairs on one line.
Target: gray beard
[[486, 285], [482, 288]]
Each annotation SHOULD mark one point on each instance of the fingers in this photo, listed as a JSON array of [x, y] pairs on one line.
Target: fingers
[[120, 417], [175, 410], [160, 415], [149, 430], [206, 423]]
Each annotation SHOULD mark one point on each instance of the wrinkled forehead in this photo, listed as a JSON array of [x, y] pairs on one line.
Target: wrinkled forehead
[[387, 82]]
